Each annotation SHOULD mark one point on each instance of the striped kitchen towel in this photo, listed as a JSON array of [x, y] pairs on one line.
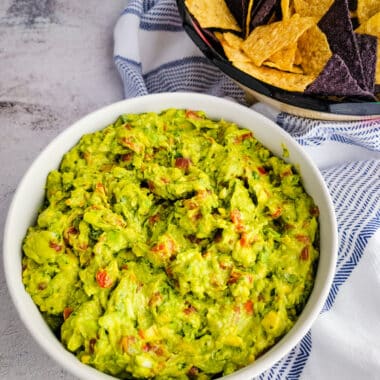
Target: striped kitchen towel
[[154, 54]]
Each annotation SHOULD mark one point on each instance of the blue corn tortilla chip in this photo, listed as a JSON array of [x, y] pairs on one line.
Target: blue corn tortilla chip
[[239, 9], [336, 79], [262, 12], [337, 26], [367, 48]]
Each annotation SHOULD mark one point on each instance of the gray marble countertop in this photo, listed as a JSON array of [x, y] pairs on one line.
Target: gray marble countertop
[[55, 67]]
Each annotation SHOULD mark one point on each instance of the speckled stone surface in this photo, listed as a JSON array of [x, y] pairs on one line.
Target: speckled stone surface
[[55, 67]]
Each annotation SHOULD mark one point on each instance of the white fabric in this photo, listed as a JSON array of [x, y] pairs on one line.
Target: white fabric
[[154, 54]]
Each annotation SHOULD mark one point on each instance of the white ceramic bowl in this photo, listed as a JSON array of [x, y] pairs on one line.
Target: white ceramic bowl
[[30, 193]]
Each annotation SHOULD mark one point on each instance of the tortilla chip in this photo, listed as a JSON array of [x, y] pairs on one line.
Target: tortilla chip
[[286, 9], [366, 9], [284, 59], [231, 44], [249, 17], [266, 40], [367, 47], [312, 8], [314, 50], [336, 79], [297, 57], [232, 48], [371, 26], [262, 13], [212, 14], [239, 9], [282, 79], [337, 26]]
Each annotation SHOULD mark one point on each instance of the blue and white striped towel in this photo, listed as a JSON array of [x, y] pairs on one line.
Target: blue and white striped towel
[[154, 54]]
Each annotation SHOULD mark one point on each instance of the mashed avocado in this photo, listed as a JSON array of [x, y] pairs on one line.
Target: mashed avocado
[[171, 246]]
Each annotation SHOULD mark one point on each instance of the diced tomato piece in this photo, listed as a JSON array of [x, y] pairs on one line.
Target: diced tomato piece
[[151, 185], [190, 205], [128, 141], [155, 299], [152, 348], [72, 230], [91, 345], [248, 306], [193, 372], [100, 188], [190, 309], [303, 239], [57, 247], [42, 286], [244, 240], [277, 213], [234, 276], [304, 253], [314, 211], [154, 219], [67, 312], [286, 173], [127, 157], [192, 115], [182, 163], [103, 279], [243, 137], [262, 170], [236, 216], [158, 247]]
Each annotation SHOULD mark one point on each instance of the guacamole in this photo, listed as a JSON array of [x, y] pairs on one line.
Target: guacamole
[[171, 246]]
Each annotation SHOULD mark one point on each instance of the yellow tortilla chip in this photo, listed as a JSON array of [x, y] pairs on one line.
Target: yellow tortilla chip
[[312, 8], [314, 50], [371, 26], [286, 10], [212, 14], [266, 40], [366, 9], [282, 79], [284, 59], [231, 44], [287, 81], [297, 57], [248, 19], [232, 39]]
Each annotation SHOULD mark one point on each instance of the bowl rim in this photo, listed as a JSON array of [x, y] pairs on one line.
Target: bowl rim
[[293, 102], [98, 119]]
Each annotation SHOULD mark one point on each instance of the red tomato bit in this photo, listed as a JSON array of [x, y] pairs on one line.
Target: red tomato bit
[[182, 163], [262, 170], [304, 253], [248, 306], [91, 345], [103, 279], [67, 312], [57, 247], [192, 115], [190, 309], [303, 239]]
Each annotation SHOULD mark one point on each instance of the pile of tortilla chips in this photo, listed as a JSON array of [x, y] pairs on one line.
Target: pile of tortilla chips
[[316, 47]]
